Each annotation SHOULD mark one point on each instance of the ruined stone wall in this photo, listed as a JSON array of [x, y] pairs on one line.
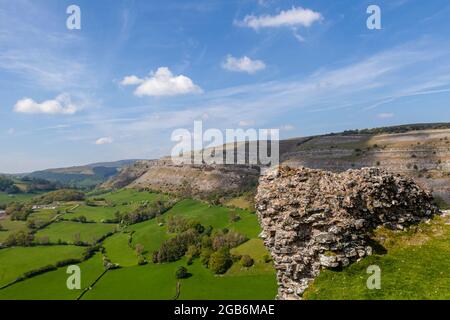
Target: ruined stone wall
[[313, 219]]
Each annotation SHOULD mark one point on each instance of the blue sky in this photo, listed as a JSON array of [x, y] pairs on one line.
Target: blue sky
[[138, 70]]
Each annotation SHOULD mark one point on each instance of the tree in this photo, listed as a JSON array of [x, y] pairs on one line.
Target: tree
[[220, 261], [181, 273], [31, 224], [246, 261], [18, 211], [234, 217], [139, 249], [21, 238], [77, 239], [141, 260]]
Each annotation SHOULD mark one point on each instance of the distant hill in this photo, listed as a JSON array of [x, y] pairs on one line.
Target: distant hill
[[421, 151], [87, 176]]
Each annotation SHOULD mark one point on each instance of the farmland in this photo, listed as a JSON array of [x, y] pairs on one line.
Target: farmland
[[7, 198], [118, 244], [17, 261], [67, 231]]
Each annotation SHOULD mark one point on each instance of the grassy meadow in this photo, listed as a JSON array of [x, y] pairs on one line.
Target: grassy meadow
[[132, 281], [21, 197], [68, 232], [16, 261]]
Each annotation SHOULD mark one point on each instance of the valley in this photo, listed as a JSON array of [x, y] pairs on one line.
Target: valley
[[128, 234], [64, 239]]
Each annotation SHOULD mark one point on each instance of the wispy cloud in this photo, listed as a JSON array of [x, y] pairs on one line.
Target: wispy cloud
[[385, 115], [296, 16], [354, 86], [104, 140], [41, 55], [244, 64]]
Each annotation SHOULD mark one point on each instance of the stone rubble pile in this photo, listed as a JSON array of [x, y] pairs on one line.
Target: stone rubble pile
[[314, 219]]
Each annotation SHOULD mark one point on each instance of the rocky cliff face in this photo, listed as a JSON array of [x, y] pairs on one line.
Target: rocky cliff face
[[199, 181], [420, 154], [314, 219], [423, 155], [129, 174]]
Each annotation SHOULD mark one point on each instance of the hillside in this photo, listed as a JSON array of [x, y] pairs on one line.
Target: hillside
[[421, 151], [86, 176]]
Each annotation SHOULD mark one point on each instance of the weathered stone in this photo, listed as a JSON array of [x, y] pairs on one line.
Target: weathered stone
[[321, 219], [328, 261]]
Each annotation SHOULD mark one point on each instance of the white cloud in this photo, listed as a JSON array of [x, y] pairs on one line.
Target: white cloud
[[386, 115], [246, 123], [104, 140], [287, 127], [131, 80], [289, 18], [162, 83], [244, 64], [299, 37], [60, 105]]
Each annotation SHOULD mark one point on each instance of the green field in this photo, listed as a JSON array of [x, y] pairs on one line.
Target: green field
[[17, 261], [118, 251], [131, 196], [10, 227], [256, 250], [204, 285], [43, 216], [52, 285], [216, 216], [149, 234], [96, 214], [66, 231], [151, 281], [21, 197], [157, 281]]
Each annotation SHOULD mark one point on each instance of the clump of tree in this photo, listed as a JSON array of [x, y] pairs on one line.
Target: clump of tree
[[246, 261], [227, 239], [18, 211], [193, 240], [182, 273], [20, 238], [220, 261], [234, 217], [144, 212], [38, 184], [62, 195], [80, 219], [108, 265], [7, 185], [139, 249], [176, 247]]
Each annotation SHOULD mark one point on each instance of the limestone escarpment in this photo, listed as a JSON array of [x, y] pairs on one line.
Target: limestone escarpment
[[197, 180], [313, 219], [129, 174]]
